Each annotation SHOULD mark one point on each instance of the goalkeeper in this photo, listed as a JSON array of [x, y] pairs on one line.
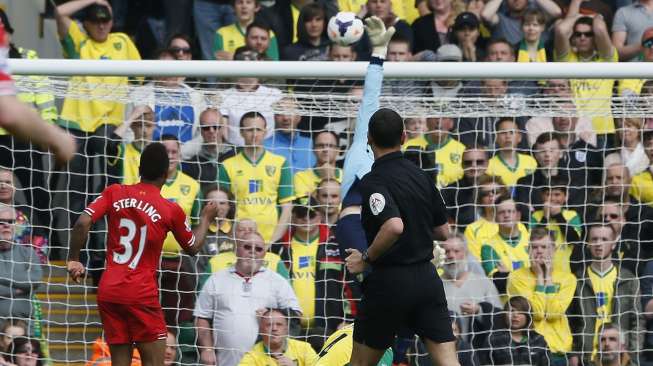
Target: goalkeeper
[[403, 290]]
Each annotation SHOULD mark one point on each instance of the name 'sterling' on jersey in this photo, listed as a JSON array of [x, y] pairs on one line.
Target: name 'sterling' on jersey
[[138, 204]]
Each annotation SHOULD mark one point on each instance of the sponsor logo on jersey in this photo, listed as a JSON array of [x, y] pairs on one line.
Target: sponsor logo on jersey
[[377, 203], [117, 46], [305, 261], [255, 185], [581, 156], [455, 158]]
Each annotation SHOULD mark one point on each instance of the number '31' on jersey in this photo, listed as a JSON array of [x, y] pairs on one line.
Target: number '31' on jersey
[[138, 222]]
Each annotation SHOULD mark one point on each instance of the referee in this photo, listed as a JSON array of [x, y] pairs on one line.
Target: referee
[[402, 213]]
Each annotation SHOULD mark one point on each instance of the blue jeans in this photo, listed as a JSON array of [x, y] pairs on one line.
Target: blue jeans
[[210, 16]]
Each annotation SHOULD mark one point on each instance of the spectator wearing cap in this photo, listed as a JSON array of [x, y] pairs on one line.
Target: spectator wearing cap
[[312, 42], [507, 22], [230, 37], [630, 88], [248, 94], [467, 35], [26, 160], [91, 120], [316, 270], [286, 139], [628, 26]]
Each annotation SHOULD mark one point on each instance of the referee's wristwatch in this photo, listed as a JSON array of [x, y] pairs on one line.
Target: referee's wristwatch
[[366, 257]]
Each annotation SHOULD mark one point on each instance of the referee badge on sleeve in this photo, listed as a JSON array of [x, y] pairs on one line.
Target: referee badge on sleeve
[[377, 203]]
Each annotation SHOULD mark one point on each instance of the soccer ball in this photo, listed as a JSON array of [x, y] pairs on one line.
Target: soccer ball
[[345, 29]]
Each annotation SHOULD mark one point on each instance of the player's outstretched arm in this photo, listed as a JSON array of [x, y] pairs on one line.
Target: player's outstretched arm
[[358, 161], [209, 212], [25, 123], [77, 240]]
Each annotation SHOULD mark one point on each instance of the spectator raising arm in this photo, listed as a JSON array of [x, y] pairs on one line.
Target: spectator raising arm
[[563, 31], [489, 13], [64, 12], [602, 38]]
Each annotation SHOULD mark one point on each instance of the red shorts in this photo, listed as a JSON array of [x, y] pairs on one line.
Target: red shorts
[[129, 323]]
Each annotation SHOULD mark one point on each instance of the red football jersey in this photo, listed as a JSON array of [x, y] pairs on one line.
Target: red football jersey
[[139, 220]]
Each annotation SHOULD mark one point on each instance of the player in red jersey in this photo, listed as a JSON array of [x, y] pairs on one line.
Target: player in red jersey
[[139, 220], [24, 122]]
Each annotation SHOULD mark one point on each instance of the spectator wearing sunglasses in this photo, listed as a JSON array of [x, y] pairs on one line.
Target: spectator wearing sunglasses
[[213, 148], [228, 304], [20, 268], [586, 39]]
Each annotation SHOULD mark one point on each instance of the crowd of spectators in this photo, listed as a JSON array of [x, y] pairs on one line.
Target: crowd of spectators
[[549, 261]]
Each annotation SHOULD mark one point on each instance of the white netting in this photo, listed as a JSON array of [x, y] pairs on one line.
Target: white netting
[[64, 315]]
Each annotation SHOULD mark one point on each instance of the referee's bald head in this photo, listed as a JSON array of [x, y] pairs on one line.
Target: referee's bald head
[[386, 128]]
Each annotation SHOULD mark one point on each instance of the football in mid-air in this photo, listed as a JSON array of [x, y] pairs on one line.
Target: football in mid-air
[[345, 28]]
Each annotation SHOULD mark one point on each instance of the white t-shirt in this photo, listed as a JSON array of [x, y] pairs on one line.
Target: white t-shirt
[[230, 302], [235, 103]]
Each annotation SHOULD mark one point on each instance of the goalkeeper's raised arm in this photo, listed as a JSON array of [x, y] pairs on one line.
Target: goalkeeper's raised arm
[[359, 159]]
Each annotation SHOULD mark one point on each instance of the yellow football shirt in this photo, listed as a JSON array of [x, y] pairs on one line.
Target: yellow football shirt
[[479, 232], [549, 304], [294, 12], [307, 180], [304, 267], [526, 165], [258, 186], [562, 257], [403, 9], [231, 37], [641, 187], [300, 353], [593, 97], [603, 287], [512, 253], [185, 191], [92, 111], [448, 157]]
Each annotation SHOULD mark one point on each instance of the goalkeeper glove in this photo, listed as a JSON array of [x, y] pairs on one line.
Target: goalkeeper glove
[[438, 255], [379, 36]]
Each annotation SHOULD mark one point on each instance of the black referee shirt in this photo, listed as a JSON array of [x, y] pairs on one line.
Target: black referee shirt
[[396, 187]]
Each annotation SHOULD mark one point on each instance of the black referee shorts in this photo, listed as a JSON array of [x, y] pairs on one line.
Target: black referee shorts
[[402, 297]]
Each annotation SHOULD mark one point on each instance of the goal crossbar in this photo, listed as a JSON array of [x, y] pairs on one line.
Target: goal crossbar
[[335, 70]]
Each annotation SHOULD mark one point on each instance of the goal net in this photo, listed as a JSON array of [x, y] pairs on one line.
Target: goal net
[[511, 158]]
